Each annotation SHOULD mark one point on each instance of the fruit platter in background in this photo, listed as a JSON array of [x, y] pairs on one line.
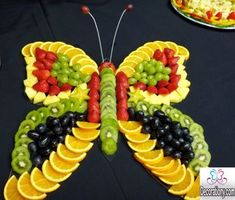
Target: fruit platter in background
[[135, 99], [213, 13]]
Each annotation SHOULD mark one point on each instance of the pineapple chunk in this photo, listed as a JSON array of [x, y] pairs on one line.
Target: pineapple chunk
[[175, 97], [184, 83], [30, 73], [181, 60], [29, 60], [64, 94], [183, 74], [183, 91], [50, 100], [180, 69], [29, 82], [164, 99], [30, 67], [30, 92], [39, 97]]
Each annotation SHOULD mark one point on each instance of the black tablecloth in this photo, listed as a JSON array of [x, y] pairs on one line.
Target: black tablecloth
[[211, 69]]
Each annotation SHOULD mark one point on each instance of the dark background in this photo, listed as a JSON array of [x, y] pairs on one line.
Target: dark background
[[211, 69]]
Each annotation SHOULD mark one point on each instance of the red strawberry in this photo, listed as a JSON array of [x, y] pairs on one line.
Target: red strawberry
[[41, 74], [175, 78], [48, 64], [122, 114], [93, 93], [95, 76], [163, 59], [157, 54], [163, 91], [140, 85], [219, 15], [231, 15], [52, 80], [172, 86], [54, 90], [122, 104], [39, 64], [65, 87], [92, 102], [41, 86], [209, 14], [107, 64], [40, 53], [93, 84], [93, 116], [169, 52], [51, 56], [173, 60], [121, 94], [174, 68], [152, 89], [121, 77], [162, 84]]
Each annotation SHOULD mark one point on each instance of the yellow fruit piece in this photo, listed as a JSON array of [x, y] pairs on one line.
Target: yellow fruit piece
[[184, 52], [39, 97], [53, 175], [162, 44], [87, 125], [194, 192], [149, 157], [73, 51], [63, 48], [77, 146], [55, 46], [30, 67], [176, 179], [129, 63], [153, 45], [129, 127], [76, 58], [142, 147], [67, 155], [40, 183], [164, 99], [29, 60], [169, 172], [85, 134], [10, 190], [183, 187], [164, 164], [129, 71], [183, 91], [133, 58], [183, 74], [26, 50], [141, 54], [50, 99], [30, 92], [180, 69], [61, 165], [45, 45], [30, 73], [33, 47], [29, 82], [147, 50], [137, 137], [26, 189], [87, 61], [181, 60], [173, 46], [64, 94], [175, 97], [184, 83], [89, 69]]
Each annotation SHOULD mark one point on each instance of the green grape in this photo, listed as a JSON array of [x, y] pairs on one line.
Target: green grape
[[73, 82], [150, 77], [144, 80], [65, 71], [54, 73], [64, 64], [77, 67], [151, 69], [132, 81], [167, 70], [152, 62], [145, 62], [152, 82], [75, 75], [137, 75], [139, 68], [62, 57], [165, 77], [158, 76], [159, 66], [144, 74], [63, 78], [146, 67], [56, 65], [86, 78]]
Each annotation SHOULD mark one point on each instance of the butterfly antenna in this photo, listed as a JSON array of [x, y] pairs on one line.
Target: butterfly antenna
[[85, 10], [128, 8]]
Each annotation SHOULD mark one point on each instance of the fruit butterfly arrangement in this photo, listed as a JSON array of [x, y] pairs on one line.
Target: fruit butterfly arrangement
[[83, 102]]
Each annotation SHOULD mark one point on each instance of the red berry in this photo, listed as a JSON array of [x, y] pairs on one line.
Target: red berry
[[169, 52], [152, 89], [54, 90], [40, 53], [93, 84], [93, 103], [121, 94], [122, 114], [173, 60], [219, 15], [65, 87], [163, 91], [95, 76], [51, 56], [93, 116], [121, 76], [122, 104], [41, 86], [231, 15], [157, 54], [85, 10], [39, 64], [175, 78], [93, 93], [162, 84], [52, 80], [48, 64], [163, 59], [140, 85], [41, 74], [172, 86], [107, 64], [174, 68], [209, 14]]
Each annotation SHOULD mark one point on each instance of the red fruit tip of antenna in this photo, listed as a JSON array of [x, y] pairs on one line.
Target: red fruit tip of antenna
[[129, 7], [85, 10]]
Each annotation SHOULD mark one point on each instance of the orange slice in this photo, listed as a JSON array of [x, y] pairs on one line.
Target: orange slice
[[143, 147], [60, 165], [149, 157], [33, 47], [141, 54], [176, 179], [129, 127], [40, 183], [26, 50], [53, 175], [172, 46], [87, 61], [89, 69], [10, 190], [153, 45], [128, 70], [184, 52], [85, 135], [63, 48], [185, 186], [77, 146], [147, 50], [194, 192], [55, 46], [45, 45], [88, 125], [162, 44], [67, 155], [26, 189], [129, 63], [133, 58], [73, 51], [137, 137], [76, 58], [164, 164]]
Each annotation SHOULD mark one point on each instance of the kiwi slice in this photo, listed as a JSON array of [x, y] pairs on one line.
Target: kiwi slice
[[142, 105], [203, 155], [153, 108], [195, 165], [35, 116], [175, 114], [20, 151], [27, 124], [108, 132], [131, 104], [44, 112], [56, 109], [199, 144], [109, 146], [82, 107], [196, 126], [21, 164], [110, 122], [186, 121], [21, 133], [166, 109], [66, 104], [197, 135], [23, 142]]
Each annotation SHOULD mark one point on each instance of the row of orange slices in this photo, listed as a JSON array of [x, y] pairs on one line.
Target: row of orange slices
[[170, 171], [58, 168]]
